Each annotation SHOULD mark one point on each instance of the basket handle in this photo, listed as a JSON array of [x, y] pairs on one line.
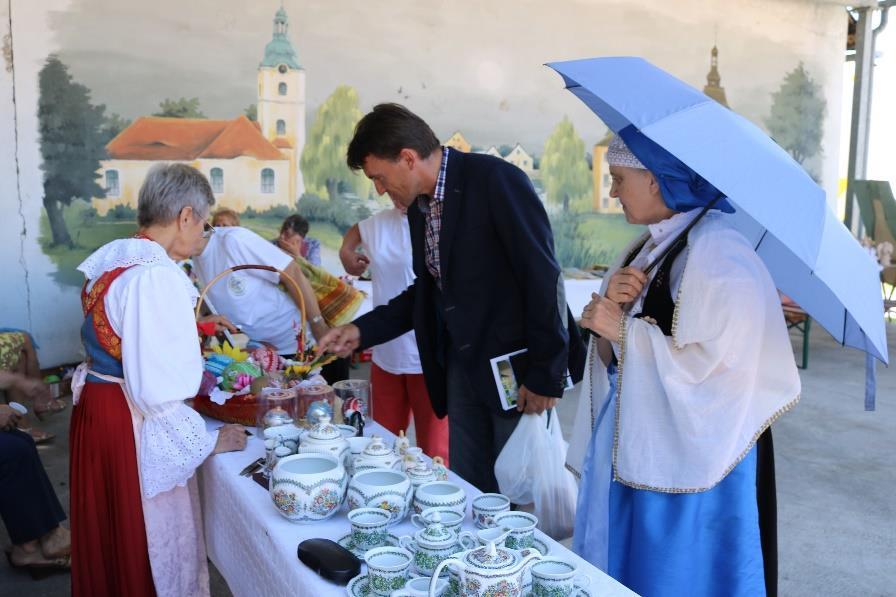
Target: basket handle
[[267, 268]]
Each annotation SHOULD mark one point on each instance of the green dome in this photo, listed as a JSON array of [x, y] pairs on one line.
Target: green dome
[[279, 50]]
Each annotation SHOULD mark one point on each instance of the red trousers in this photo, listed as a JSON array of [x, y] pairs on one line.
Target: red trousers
[[109, 552], [395, 397]]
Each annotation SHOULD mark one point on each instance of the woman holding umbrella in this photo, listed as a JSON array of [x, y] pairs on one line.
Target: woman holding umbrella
[[692, 365]]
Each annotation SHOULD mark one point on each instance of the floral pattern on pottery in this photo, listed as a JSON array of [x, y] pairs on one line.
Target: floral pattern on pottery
[[518, 542], [370, 538], [325, 502], [539, 590], [503, 588], [285, 501], [386, 584]]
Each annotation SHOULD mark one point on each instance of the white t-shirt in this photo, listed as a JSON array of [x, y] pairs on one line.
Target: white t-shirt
[[387, 240], [251, 299]]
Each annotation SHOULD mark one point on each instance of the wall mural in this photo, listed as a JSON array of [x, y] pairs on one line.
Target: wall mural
[[270, 146]]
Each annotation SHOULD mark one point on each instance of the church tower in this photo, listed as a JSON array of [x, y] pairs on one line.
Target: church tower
[[281, 100], [713, 86]]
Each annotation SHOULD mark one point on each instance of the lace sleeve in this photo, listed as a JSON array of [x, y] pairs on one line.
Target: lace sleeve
[[173, 444]]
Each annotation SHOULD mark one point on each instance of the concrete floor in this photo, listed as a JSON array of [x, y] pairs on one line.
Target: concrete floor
[[835, 473]]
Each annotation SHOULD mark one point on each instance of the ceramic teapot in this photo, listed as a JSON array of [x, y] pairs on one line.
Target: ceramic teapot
[[325, 438], [376, 455], [487, 570], [435, 543]]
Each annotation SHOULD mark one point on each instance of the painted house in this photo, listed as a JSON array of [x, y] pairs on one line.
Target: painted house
[[458, 142], [248, 163], [520, 158]]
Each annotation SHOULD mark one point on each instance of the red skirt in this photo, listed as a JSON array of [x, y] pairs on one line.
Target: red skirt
[[109, 552]]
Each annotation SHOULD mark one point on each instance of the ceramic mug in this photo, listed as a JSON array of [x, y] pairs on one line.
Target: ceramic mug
[[522, 528], [369, 527], [487, 506], [553, 577], [419, 587], [388, 569]]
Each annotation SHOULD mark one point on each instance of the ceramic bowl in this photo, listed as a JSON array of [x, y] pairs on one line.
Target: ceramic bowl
[[440, 494], [308, 487], [381, 488]]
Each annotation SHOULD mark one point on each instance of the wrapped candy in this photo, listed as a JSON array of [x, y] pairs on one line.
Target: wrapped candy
[[216, 363], [267, 358], [233, 370]]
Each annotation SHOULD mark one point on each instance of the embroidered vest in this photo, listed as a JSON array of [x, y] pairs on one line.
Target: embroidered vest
[[102, 344]]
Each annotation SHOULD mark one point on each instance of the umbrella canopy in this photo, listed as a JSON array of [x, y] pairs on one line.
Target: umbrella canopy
[[811, 256]]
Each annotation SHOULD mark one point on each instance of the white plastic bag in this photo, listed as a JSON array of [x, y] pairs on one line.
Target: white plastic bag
[[531, 469]]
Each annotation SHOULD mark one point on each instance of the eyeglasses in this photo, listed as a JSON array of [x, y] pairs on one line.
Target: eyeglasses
[[207, 229]]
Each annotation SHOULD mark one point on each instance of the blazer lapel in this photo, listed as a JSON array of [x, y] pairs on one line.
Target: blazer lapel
[[451, 208]]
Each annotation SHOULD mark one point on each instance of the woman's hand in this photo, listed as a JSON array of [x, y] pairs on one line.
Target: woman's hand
[[8, 417], [221, 323], [603, 316], [626, 285], [231, 438]]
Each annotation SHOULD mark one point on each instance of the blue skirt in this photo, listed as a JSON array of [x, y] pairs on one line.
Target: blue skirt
[[668, 544]]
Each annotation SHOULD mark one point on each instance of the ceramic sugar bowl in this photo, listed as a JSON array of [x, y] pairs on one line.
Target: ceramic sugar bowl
[[308, 487], [487, 570], [376, 455], [435, 543], [325, 438], [382, 488], [419, 474]]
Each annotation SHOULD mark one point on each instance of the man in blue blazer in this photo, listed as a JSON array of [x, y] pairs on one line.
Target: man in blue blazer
[[487, 284]]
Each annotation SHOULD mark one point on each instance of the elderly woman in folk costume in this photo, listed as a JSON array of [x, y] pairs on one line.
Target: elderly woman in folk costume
[[690, 365], [135, 445]]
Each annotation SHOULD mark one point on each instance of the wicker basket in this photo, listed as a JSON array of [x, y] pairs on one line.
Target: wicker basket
[[243, 409]]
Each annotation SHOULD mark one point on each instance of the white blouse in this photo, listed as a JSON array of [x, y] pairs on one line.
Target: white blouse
[[150, 307]]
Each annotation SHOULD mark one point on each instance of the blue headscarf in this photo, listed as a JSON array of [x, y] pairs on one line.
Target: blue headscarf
[[682, 188]]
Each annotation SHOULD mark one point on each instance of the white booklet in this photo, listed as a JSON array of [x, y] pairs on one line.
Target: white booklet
[[508, 369]]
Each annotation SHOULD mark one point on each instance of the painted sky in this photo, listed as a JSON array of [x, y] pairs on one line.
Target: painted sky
[[473, 66]]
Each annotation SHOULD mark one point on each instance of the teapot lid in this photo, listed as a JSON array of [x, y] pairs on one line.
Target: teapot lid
[[435, 533], [324, 430], [376, 447], [420, 469], [491, 557]]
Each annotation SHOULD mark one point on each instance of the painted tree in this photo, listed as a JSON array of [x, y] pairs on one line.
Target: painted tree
[[184, 107], [72, 143], [564, 170], [796, 121], [251, 112], [323, 158]]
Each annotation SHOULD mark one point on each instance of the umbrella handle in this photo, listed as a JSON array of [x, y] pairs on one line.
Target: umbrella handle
[[678, 240]]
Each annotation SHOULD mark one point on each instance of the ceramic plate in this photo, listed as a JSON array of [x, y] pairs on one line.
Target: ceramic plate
[[346, 542], [358, 586]]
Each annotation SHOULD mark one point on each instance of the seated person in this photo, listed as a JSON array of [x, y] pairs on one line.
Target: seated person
[[224, 217], [18, 359], [252, 299], [28, 504], [294, 239]]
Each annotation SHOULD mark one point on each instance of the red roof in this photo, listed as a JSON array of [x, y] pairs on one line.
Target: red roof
[[158, 138]]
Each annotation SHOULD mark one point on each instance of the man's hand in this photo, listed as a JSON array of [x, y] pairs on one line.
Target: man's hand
[[231, 438], [626, 285], [602, 316], [354, 263], [8, 417], [221, 323], [342, 340], [533, 404]]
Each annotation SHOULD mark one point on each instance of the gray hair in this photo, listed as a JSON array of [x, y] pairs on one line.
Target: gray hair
[[168, 189]]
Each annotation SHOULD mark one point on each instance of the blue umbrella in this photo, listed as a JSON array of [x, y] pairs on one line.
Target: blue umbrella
[[811, 256]]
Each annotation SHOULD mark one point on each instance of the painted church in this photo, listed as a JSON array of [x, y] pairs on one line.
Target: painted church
[[248, 163]]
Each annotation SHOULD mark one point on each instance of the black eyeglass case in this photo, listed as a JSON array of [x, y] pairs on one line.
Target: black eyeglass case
[[330, 560]]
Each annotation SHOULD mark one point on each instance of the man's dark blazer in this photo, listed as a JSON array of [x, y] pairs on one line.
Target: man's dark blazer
[[502, 288]]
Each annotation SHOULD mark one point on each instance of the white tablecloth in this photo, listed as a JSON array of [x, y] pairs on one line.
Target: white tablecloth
[[255, 548], [578, 294]]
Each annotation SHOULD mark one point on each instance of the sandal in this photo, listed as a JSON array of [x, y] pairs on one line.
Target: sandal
[[41, 568], [38, 435], [54, 406]]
